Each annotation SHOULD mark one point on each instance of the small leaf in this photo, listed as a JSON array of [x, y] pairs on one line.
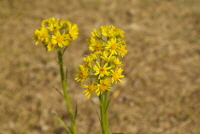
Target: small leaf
[[63, 123], [98, 116], [64, 50], [59, 92], [107, 105], [76, 111]]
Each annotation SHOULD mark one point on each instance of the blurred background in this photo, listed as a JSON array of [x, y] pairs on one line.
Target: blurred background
[[160, 93]]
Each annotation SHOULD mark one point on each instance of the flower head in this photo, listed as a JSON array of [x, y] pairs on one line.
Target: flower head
[[37, 36], [112, 46], [122, 49], [73, 30], [53, 24], [82, 74], [117, 62], [44, 35], [107, 56], [90, 89], [116, 75], [96, 33], [55, 33], [105, 84], [107, 31], [88, 61], [103, 63], [60, 39], [95, 45], [50, 46], [101, 71]]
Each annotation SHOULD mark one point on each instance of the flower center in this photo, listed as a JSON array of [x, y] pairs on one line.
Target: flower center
[[116, 75], [103, 87], [97, 47], [113, 46], [59, 38], [101, 70], [83, 75], [54, 28], [91, 88]]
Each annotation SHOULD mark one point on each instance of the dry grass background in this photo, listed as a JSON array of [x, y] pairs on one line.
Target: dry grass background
[[161, 89]]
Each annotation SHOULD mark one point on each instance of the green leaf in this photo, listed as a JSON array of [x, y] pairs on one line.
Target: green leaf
[[107, 105], [59, 91], [63, 123], [64, 50], [98, 116], [76, 111]]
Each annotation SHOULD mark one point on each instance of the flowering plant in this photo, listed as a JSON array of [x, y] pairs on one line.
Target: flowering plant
[[55, 33], [102, 67], [58, 34]]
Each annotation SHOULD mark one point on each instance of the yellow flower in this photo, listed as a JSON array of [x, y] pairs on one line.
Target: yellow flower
[[65, 22], [119, 33], [107, 31], [44, 35], [73, 30], [105, 84], [53, 24], [82, 74], [107, 46], [36, 36], [50, 46], [88, 61], [93, 56], [95, 45], [90, 89], [116, 75], [117, 62], [101, 71], [122, 50], [95, 33], [45, 22], [107, 56], [112, 46], [60, 39], [107, 81], [55, 33]]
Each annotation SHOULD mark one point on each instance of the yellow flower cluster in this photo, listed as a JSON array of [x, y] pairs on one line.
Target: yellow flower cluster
[[55, 33], [102, 66]]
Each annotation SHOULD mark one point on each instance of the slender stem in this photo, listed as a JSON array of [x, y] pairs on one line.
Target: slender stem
[[105, 110], [103, 127], [66, 96], [104, 117]]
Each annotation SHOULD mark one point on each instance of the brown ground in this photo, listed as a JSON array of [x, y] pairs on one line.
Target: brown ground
[[161, 89]]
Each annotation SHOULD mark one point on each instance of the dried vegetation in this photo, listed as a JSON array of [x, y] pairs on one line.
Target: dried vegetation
[[160, 93]]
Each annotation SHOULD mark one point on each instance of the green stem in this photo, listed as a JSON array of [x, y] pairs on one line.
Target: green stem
[[104, 117], [102, 113], [66, 96], [105, 110]]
